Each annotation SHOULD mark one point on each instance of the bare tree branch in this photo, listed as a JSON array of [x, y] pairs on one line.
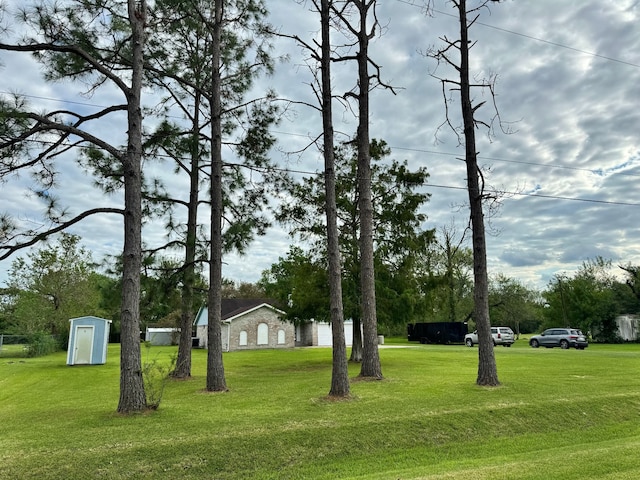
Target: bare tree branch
[[8, 250]]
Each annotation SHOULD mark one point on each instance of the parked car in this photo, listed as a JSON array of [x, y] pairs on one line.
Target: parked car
[[501, 336], [560, 337]]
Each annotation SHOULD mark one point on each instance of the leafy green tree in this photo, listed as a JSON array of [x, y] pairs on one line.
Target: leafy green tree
[[231, 289], [627, 302], [209, 93], [514, 305], [632, 282], [399, 298], [181, 66], [109, 288], [299, 282], [398, 235], [161, 293], [585, 301], [207, 58], [52, 285], [86, 41], [5, 308], [446, 282]]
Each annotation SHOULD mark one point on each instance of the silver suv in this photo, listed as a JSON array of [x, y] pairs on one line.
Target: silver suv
[[560, 337], [501, 336]]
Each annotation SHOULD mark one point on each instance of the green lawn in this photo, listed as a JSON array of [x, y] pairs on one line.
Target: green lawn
[[558, 414], [13, 351]]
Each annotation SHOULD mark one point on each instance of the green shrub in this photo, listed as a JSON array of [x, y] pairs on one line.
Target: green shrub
[[155, 376], [40, 344]]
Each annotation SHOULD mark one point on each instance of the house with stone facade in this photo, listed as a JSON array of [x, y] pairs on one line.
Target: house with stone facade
[[248, 324]]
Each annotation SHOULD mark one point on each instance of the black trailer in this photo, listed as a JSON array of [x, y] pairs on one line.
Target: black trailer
[[437, 332]]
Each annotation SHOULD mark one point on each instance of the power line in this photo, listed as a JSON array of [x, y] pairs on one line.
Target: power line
[[49, 99], [533, 195], [555, 44], [426, 186], [408, 149], [520, 162], [450, 187], [483, 157], [504, 30], [531, 37]]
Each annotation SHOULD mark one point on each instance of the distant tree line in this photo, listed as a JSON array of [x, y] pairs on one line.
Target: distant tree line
[[60, 281], [592, 298]]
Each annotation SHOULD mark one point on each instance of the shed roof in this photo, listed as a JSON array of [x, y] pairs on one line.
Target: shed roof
[[90, 317], [162, 329]]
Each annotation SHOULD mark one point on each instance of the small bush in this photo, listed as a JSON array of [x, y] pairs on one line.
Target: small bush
[[40, 344], [155, 376]]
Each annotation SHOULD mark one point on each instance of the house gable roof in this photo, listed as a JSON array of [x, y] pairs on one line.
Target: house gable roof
[[233, 308]]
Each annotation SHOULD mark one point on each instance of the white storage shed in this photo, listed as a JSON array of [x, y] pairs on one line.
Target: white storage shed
[[162, 336]]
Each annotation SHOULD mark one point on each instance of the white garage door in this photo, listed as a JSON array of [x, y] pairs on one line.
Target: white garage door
[[325, 337]]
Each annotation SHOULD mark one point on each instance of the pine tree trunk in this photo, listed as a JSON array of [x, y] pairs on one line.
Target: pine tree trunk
[[370, 366], [215, 369], [340, 371], [487, 370], [356, 343], [183, 363], [132, 394]]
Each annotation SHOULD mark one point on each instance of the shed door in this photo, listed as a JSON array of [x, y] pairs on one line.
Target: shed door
[[84, 345]]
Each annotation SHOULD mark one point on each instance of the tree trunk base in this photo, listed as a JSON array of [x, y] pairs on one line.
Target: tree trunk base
[[368, 378], [338, 398], [221, 390], [356, 356], [488, 383]]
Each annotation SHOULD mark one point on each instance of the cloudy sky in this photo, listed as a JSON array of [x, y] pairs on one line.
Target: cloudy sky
[[568, 88]]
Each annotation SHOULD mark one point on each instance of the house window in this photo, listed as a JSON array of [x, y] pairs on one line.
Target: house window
[[281, 337], [263, 334], [243, 338]]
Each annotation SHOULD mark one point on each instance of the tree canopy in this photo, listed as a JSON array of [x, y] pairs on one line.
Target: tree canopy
[[590, 300], [400, 240], [50, 285]]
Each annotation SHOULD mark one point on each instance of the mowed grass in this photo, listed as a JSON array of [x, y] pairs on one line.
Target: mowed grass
[[13, 351], [558, 414]]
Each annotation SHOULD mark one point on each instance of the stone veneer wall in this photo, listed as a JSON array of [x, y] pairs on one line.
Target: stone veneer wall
[[249, 323]]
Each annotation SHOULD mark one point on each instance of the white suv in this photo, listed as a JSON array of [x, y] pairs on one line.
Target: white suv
[[501, 336]]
